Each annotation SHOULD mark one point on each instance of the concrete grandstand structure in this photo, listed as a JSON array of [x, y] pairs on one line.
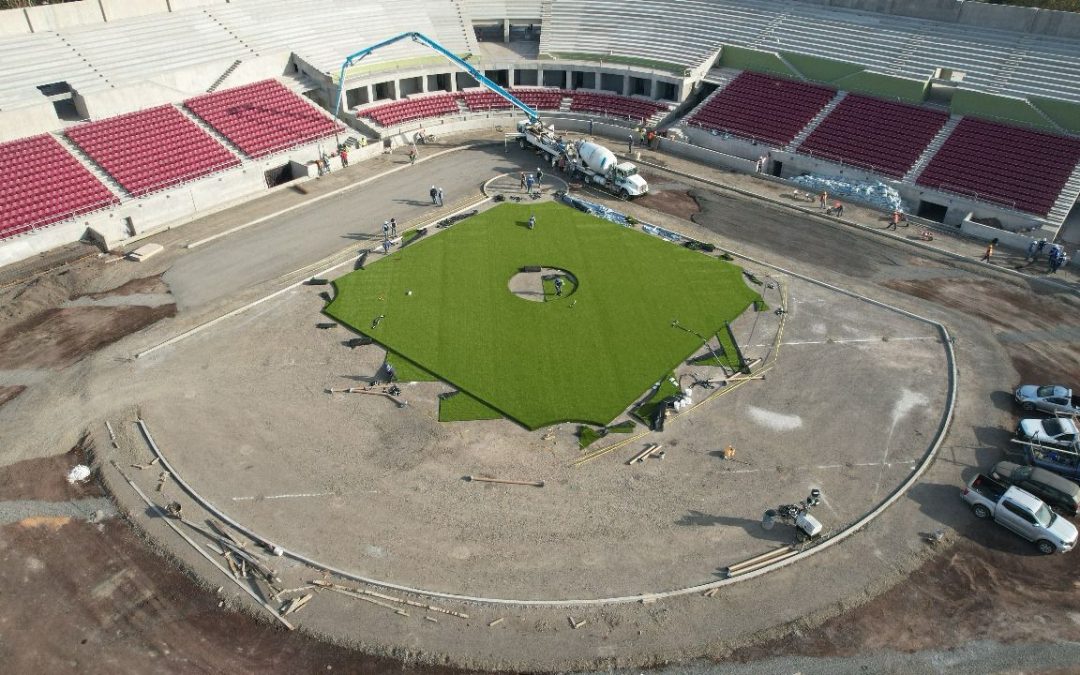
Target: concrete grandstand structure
[[859, 71]]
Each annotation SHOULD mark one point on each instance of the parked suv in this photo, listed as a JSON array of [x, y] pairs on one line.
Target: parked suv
[[1061, 494]]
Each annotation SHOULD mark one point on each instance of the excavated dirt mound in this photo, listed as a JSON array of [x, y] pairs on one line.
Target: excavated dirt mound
[[92, 598], [972, 592], [59, 337], [45, 479], [668, 197], [145, 285]]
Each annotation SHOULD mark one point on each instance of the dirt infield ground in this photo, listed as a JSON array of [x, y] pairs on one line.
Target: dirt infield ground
[[87, 595]]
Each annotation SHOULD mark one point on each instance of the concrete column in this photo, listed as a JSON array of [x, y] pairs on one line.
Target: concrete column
[[626, 85], [506, 30], [396, 84], [655, 89], [423, 84]]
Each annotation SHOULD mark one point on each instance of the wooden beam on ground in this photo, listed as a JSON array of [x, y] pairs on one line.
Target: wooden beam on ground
[[505, 481]]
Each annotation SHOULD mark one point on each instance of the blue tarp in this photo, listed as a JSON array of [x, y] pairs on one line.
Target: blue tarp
[[876, 193], [598, 210], [601, 211]]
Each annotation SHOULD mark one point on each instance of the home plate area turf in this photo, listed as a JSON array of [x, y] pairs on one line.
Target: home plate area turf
[[634, 310]]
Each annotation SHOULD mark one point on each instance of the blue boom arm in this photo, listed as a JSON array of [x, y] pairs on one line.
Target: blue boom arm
[[351, 59]]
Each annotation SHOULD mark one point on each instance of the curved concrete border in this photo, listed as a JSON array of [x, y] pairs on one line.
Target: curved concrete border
[[488, 182], [927, 460]]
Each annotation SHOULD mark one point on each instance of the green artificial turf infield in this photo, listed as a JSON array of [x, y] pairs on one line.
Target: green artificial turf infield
[[407, 371], [460, 407], [583, 358]]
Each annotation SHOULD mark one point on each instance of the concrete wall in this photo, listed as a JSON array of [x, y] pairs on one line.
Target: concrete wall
[[192, 80], [14, 22], [28, 245], [125, 9], [66, 15], [1003, 17], [28, 121], [104, 103], [1060, 24], [725, 144], [1013, 240], [257, 68]]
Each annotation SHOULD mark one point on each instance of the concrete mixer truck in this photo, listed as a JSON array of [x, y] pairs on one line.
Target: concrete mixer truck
[[594, 162]]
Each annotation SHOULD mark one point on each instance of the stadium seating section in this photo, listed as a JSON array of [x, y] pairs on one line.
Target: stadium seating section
[[763, 108], [615, 106], [407, 110], [43, 184], [262, 118], [541, 99], [873, 134], [152, 149], [1015, 167]]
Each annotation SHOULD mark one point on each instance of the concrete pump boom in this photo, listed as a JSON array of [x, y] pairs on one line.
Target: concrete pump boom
[[423, 39]]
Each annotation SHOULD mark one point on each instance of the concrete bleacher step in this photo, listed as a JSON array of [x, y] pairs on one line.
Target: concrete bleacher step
[[465, 21], [298, 83], [545, 25], [564, 104], [761, 41], [721, 77], [813, 124], [1063, 205], [93, 167], [657, 117], [901, 58], [1003, 77], [939, 140]]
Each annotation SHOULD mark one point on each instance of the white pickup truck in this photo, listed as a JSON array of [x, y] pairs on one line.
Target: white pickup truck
[[1020, 512]]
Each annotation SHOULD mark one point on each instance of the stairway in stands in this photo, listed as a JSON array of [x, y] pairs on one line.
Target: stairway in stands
[[105, 177], [1066, 198], [721, 77], [813, 124], [212, 132], [943, 135], [228, 71]]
